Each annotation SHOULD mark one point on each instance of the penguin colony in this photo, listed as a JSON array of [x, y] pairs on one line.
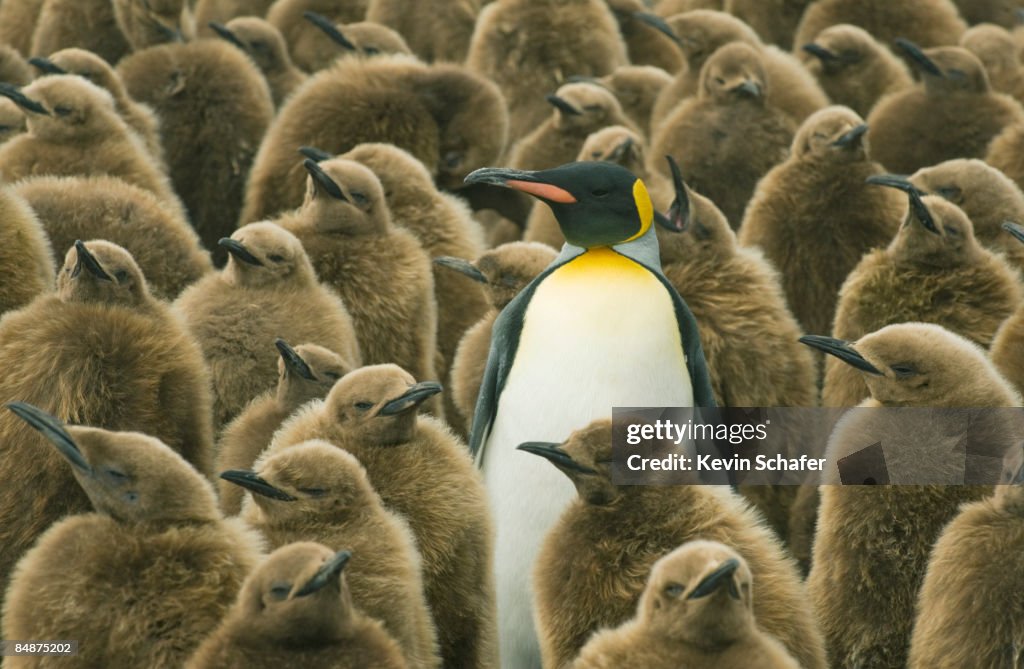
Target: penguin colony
[[273, 392]]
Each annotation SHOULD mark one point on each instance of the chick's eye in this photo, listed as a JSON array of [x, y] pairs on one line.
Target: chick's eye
[[334, 376], [313, 492], [592, 108], [360, 199], [61, 110], [903, 371], [371, 50], [363, 406], [673, 590], [720, 81], [121, 275], [952, 232], [275, 258], [280, 591]]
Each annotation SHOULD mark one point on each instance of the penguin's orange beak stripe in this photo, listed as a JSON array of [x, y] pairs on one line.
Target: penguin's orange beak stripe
[[546, 191]]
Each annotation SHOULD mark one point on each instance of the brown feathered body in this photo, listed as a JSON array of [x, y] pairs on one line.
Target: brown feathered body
[[146, 576], [926, 22], [774, 21], [214, 107], [631, 527], [237, 313], [222, 11], [449, 119], [637, 88], [920, 276], [164, 245], [264, 44], [423, 472], [14, 69], [645, 44], [17, 23], [854, 69], [967, 614], [318, 630], [25, 252], [86, 24], [102, 353], [802, 220], [998, 52], [791, 88], [723, 141], [548, 41], [346, 514]]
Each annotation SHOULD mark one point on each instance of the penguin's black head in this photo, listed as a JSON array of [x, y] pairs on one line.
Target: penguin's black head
[[596, 203]]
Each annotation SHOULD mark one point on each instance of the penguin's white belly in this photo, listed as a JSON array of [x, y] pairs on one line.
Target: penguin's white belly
[[593, 338]]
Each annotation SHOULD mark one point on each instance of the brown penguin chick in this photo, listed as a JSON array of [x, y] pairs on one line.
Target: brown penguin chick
[[296, 610], [636, 87], [1006, 348], [751, 346], [791, 87], [728, 136], [548, 40], [926, 22], [327, 41], [305, 373], [379, 270], [12, 120], [504, 270], [306, 42], [998, 52], [424, 473], [435, 30], [450, 119], [147, 574], [17, 23], [265, 45], [696, 609], [317, 492], [649, 40], [147, 23], [100, 351], [214, 107], [13, 68], [631, 527], [933, 271], [26, 257], [85, 24], [952, 113], [615, 144], [774, 21], [800, 215], [443, 225], [139, 117], [164, 245], [872, 543], [853, 68], [74, 130], [267, 290], [580, 108], [966, 612], [222, 11], [986, 195]]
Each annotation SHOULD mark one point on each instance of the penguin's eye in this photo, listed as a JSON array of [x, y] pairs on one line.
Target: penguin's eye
[[364, 406], [951, 193], [61, 110], [720, 81], [313, 492], [904, 370], [600, 192], [334, 376], [275, 258], [371, 50], [280, 591], [952, 232], [593, 108], [360, 199], [452, 159], [121, 275], [673, 590]]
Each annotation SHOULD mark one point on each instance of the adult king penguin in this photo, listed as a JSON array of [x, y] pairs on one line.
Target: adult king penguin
[[600, 327]]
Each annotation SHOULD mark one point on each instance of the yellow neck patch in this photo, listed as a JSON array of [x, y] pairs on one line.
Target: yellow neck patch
[[644, 207]]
